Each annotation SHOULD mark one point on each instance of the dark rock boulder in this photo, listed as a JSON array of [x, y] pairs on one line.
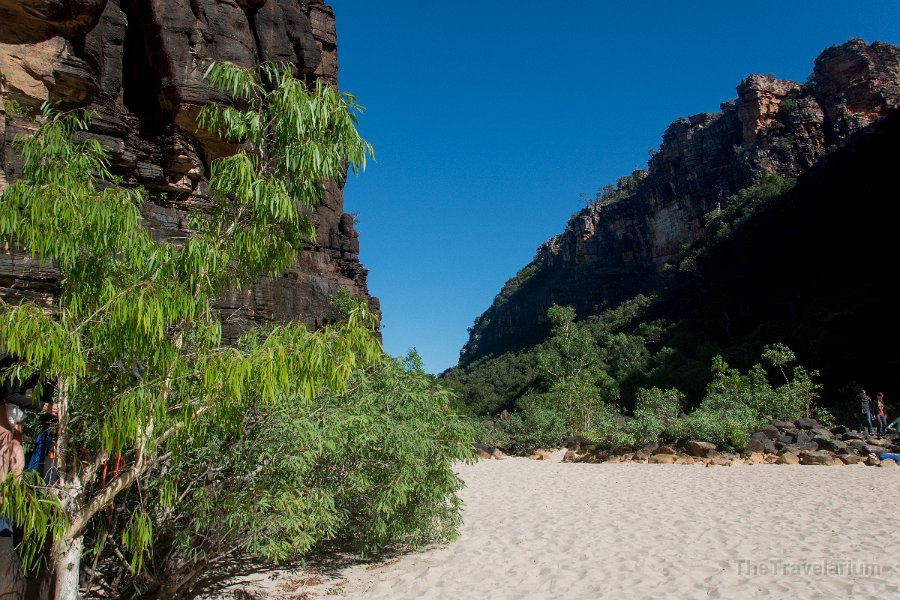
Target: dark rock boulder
[[769, 431], [762, 445], [807, 423]]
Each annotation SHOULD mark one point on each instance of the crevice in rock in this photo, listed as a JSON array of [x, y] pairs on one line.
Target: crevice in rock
[[251, 20], [140, 93]]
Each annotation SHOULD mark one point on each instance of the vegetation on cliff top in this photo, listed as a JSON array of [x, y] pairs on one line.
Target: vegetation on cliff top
[[803, 263]]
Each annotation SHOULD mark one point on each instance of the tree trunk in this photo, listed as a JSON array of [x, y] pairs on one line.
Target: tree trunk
[[67, 567], [66, 551]]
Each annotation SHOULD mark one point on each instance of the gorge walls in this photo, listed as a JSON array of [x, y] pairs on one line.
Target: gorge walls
[[620, 245], [132, 64]]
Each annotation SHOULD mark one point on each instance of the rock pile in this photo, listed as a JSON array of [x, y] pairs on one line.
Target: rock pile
[[803, 442]]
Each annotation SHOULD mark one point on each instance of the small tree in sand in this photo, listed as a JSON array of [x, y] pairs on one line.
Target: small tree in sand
[[132, 343]]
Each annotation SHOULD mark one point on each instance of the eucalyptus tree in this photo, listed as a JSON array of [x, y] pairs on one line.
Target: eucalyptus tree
[[571, 365], [132, 343]]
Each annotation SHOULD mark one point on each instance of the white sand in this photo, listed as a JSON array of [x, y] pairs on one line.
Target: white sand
[[551, 530]]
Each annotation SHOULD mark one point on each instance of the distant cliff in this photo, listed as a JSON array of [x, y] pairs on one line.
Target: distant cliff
[[132, 64], [621, 245]]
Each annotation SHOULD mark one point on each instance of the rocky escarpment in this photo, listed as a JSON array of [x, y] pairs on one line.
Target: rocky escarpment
[[132, 64], [620, 245]]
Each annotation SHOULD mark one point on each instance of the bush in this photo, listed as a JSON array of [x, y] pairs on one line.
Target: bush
[[538, 428], [363, 470], [665, 405], [489, 432], [644, 428]]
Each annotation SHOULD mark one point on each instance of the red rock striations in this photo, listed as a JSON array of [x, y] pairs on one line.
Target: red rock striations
[[131, 63]]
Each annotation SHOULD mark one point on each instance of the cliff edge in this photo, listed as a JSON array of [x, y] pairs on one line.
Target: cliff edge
[[620, 245]]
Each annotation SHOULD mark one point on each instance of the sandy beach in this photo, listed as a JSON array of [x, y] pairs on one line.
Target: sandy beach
[[582, 531]]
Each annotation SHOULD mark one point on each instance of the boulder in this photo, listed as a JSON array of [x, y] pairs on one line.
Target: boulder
[[498, 454], [769, 431], [762, 445], [849, 436], [808, 444], [755, 458], [829, 443], [683, 459], [540, 455], [482, 454], [788, 458], [858, 445], [888, 463], [576, 443], [851, 459], [781, 424], [570, 456], [647, 451], [817, 458], [807, 423], [699, 449], [666, 450], [662, 459], [839, 430], [785, 438], [720, 460]]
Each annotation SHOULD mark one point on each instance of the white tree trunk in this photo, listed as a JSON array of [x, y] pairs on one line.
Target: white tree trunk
[[66, 567], [66, 551]]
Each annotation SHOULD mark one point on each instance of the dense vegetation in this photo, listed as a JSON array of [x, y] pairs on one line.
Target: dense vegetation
[[350, 472], [173, 449], [803, 263]]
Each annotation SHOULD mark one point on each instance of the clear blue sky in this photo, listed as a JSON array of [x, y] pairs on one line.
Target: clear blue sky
[[490, 118]]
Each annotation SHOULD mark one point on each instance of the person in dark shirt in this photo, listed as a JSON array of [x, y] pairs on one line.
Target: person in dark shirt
[[20, 393], [865, 412]]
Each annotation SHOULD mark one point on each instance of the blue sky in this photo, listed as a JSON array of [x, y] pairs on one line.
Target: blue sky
[[490, 118]]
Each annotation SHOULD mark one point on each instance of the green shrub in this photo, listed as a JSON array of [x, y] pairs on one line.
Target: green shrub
[[665, 405], [365, 469], [644, 428], [489, 432], [537, 428]]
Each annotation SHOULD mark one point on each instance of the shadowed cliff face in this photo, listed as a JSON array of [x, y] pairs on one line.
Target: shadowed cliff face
[[618, 247], [132, 64]]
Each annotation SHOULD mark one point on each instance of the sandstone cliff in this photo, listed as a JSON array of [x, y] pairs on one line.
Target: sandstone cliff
[[619, 246], [132, 64]]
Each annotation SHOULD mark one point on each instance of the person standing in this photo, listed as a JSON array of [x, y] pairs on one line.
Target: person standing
[[15, 397], [12, 463], [865, 411], [880, 415]]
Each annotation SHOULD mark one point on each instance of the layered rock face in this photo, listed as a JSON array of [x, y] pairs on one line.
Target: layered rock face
[[132, 63], [617, 247]]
